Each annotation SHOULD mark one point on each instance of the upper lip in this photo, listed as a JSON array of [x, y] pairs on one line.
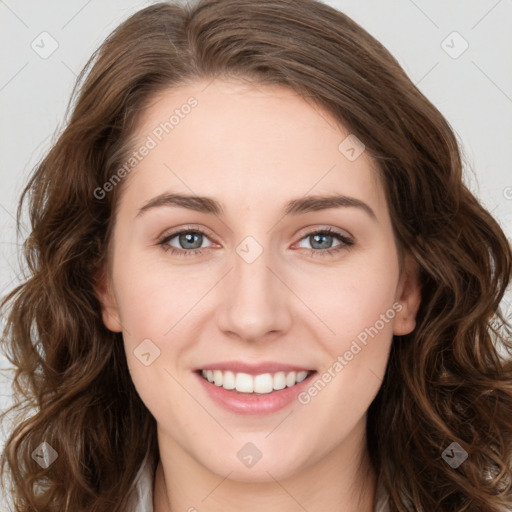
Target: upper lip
[[254, 369]]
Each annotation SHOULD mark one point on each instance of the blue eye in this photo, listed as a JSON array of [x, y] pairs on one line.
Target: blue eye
[[191, 241], [321, 242]]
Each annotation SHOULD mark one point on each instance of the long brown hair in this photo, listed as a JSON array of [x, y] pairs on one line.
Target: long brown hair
[[448, 381]]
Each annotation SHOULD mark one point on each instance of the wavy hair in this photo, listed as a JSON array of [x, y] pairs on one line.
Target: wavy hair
[[450, 380]]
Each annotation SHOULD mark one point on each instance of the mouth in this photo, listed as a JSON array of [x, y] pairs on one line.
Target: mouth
[[249, 388], [254, 384]]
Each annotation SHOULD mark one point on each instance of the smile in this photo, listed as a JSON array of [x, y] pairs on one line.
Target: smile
[[254, 384]]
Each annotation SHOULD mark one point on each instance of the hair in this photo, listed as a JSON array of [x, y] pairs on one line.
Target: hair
[[450, 380]]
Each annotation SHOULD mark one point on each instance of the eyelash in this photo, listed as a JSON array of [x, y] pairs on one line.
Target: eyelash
[[346, 242]]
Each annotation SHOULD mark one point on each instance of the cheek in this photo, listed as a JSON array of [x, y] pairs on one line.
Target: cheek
[[159, 305], [155, 314], [354, 369], [358, 308], [152, 299], [351, 298]]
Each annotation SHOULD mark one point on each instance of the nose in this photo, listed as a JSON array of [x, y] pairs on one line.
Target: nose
[[255, 300]]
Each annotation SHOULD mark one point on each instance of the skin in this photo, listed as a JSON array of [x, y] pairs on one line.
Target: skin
[[253, 148]]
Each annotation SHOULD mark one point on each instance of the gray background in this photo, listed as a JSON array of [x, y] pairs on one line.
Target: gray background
[[473, 90]]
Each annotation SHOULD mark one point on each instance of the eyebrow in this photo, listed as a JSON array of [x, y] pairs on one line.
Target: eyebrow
[[294, 207]]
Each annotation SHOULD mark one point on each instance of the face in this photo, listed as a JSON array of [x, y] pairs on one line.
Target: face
[[262, 285]]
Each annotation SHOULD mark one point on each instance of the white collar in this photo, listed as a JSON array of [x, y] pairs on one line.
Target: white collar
[[142, 498]]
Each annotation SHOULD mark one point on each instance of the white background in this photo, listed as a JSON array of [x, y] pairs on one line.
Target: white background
[[473, 91]]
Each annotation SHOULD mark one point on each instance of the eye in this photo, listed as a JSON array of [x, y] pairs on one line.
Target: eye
[[321, 242], [189, 242]]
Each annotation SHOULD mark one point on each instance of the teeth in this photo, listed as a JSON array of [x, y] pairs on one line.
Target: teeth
[[229, 381], [246, 383], [301, 376], [279, 380], [217, 377], [263, 383], [291, 379]]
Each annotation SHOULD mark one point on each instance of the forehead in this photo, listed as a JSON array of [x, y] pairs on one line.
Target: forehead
[[245, 142]]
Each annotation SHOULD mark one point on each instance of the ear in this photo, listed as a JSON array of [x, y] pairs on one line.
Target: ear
[[105, 294], [409, 297]]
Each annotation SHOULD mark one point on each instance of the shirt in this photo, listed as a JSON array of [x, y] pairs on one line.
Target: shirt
[[142, 500]]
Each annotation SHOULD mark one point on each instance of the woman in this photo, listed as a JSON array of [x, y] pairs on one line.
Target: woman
[[258, 279]]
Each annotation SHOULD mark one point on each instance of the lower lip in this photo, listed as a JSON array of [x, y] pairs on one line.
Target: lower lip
[[245, 403]]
